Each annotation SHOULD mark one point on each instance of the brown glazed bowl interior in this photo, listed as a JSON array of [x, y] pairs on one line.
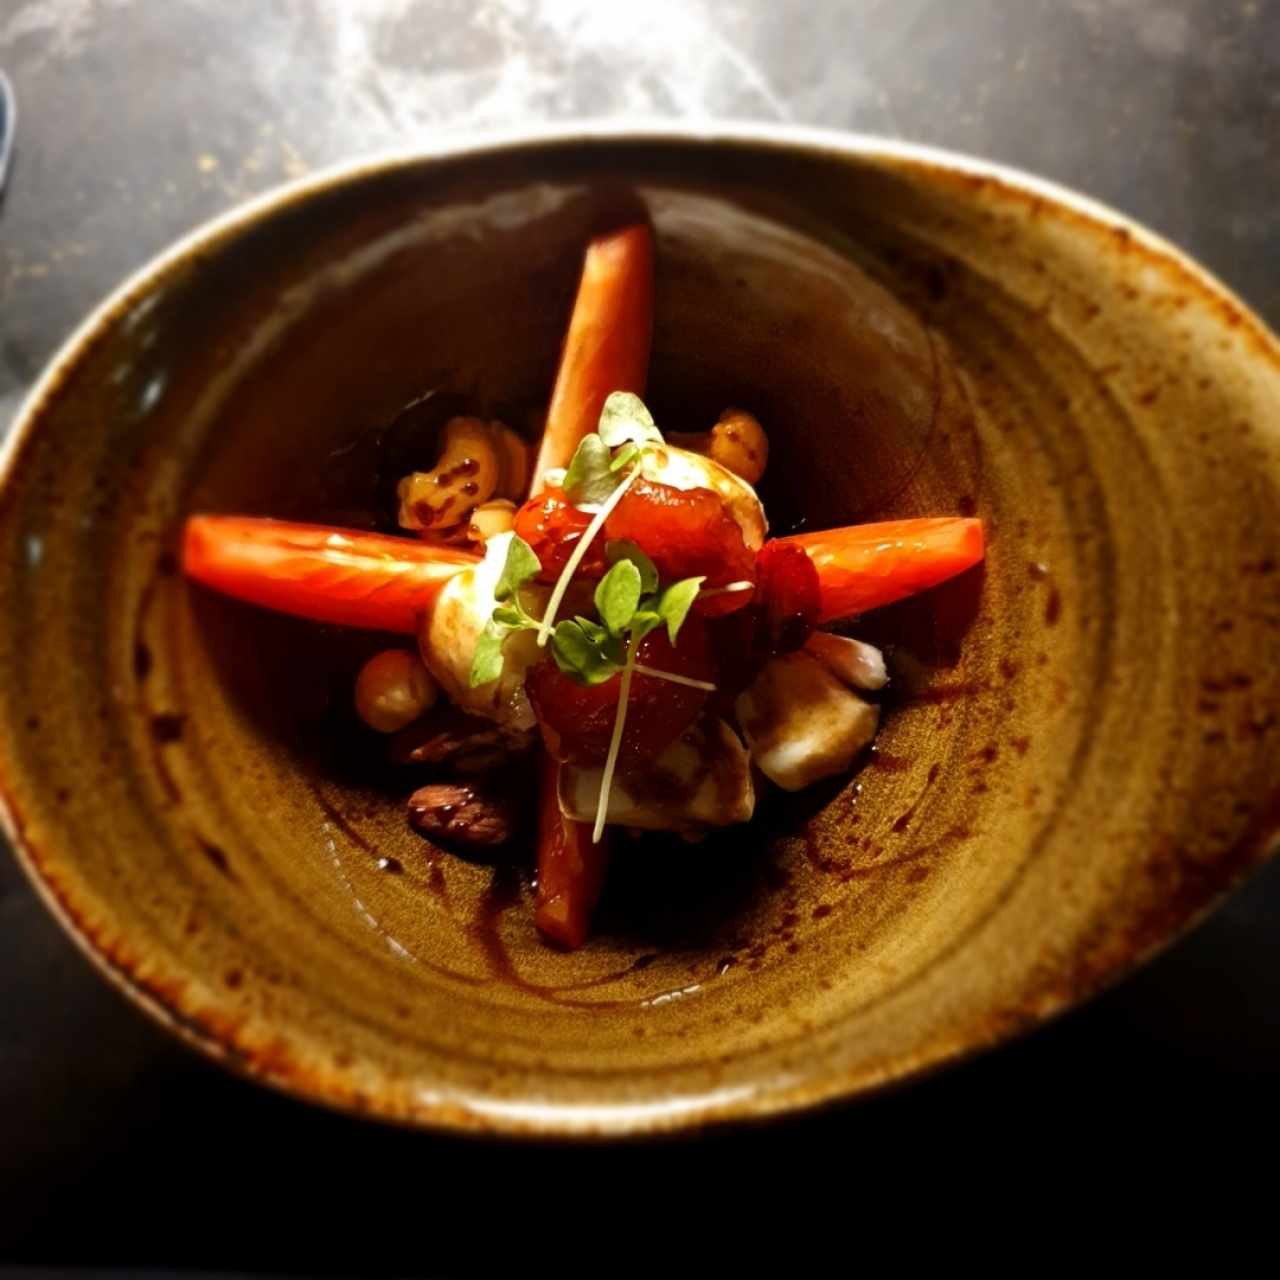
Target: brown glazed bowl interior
[[1078, 757]]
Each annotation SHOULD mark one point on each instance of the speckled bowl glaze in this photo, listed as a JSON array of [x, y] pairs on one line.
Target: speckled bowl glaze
[[1078, 759]]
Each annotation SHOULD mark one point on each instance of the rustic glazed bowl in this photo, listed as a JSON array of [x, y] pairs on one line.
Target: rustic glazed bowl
[[1078, 758]]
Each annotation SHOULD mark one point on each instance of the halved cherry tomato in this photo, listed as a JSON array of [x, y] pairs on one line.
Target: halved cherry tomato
[[787, 597], [577, 720], [320, 572], [864, 566], [607, 346], [687, 533], [553, 526], [570, 867]]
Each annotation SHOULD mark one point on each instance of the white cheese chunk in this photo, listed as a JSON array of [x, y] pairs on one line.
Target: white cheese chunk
[[447, 641], [703, 779], [802, 724], [859, 665]]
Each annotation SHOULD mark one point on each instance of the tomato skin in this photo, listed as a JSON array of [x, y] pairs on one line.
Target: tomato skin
[[865, 566], [687, 533], [571, 867], [553, 526], [787, 597], [320, 572], [607, 346], [577, 720]]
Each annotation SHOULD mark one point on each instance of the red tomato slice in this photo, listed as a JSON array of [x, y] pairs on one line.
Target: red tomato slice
[[787, 597], [553, 526], [607, 346], [570, 868], [687, 533], [315, 571], [864, 566]]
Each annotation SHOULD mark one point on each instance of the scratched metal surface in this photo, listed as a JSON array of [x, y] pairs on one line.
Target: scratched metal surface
[[140, 119]]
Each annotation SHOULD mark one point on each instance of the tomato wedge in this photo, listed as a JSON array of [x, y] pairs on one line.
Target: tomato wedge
[[864, 566], [570, 868], [607, 346], [319, 572], [577, 720]]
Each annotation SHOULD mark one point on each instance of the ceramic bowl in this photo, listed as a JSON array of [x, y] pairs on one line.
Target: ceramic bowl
[[1078, 757]]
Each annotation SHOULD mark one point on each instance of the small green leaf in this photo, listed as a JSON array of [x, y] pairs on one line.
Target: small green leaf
[[618, 595], [589, 478], [624, 418], [509, 617], [675, 602], [643, 621], [521, 566], [624, 457], [593, 630], [487, 661], [625, 549], [578, 657]]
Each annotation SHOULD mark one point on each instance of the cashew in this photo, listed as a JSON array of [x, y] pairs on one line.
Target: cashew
[[480, 460], [737, 442], [514, 456], [491, 518]]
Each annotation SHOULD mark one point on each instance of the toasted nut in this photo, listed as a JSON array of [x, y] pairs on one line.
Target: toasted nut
[[492, 518], [457, 741], [393, 689], [513, 453], [739, 443], [466, 474], [462, 814], [479, 460]]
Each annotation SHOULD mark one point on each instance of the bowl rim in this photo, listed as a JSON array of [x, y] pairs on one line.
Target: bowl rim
[[576, 1121]]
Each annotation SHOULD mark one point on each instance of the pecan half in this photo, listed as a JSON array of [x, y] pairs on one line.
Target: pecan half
[[463, 814], [461, 742]]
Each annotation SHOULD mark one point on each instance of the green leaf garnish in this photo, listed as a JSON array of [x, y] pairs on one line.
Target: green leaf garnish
[[618, 596], [624, 419], [674, 604], [625, 549], [579, 657], [593, 630], [591, 476], [608, 644], [521, 566], [487, 662], [643, 621], [624, 457]]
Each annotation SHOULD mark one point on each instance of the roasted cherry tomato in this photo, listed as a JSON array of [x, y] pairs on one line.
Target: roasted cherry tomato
[[687, 533], [787, 597], [577, 720], [552, 526]]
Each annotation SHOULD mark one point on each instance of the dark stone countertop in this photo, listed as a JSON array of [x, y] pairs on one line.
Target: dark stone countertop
[[138, 120]]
